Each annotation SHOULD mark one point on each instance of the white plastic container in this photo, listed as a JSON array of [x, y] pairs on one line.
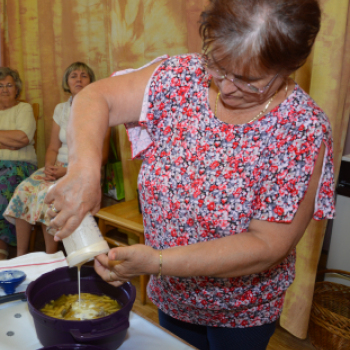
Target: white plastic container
[[85, 242]]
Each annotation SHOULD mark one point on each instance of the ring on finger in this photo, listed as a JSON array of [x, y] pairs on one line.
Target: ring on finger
[[54, 209], [110, 276]]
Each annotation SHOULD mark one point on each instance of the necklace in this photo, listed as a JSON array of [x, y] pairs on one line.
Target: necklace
[[216, 102], [265, 109], [259, 114]]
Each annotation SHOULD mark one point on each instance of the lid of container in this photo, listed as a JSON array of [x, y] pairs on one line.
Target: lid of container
[[10, 279], [86, 254]]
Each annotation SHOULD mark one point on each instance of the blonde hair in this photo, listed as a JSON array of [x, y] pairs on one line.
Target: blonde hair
[[76, 66]]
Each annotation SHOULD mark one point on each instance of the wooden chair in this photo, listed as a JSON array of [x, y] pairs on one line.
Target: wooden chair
[[124, 216], [36, 110]]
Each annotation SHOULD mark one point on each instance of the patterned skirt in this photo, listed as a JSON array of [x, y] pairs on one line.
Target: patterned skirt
[[12, 173], [27, 202]]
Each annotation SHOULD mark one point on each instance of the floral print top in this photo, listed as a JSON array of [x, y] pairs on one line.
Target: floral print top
[[202, 179]]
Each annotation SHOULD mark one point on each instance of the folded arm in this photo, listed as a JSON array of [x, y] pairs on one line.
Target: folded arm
[[13, 139]]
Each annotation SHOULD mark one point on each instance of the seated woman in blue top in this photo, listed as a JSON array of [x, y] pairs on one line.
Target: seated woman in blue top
[[17, 153]]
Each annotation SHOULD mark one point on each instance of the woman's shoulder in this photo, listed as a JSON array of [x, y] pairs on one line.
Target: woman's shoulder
[[300, 115], [62, 105], [175, 65], [21, 108], [305, 107], [185, 60], [62, 109], [183, 70], [62, 112], [23, 104]]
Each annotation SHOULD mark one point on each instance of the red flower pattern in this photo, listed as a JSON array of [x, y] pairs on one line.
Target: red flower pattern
[[203, 179]]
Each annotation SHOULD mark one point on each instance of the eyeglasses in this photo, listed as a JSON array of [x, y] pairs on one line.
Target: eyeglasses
[[9, 86], [220, 73]]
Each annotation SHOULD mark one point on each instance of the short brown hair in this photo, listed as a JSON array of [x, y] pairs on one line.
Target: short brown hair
[[76, 66], [271, 34], [7, 71]]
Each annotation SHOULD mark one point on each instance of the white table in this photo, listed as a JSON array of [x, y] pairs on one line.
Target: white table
[[17, 332]]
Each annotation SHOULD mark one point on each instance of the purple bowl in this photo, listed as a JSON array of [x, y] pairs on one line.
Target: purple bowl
[[107, 332]]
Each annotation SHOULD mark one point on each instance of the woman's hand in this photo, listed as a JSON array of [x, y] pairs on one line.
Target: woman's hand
[[75, 194], [49, 171], [60, 172], [124, 263], [54, 172]]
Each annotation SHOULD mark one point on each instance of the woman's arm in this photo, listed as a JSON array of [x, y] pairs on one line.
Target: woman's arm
[[105, 148], [54, 145], [51, 171], [13, 139], [265, 245], [104, 103]]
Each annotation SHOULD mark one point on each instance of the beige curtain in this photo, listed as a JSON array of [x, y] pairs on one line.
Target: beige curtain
[[41, 38]]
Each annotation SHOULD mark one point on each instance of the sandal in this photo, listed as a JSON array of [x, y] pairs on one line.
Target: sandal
[[4, 252]]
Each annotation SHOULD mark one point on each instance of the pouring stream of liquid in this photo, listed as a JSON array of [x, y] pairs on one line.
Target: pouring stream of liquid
[[79, 267], [111, 263]]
